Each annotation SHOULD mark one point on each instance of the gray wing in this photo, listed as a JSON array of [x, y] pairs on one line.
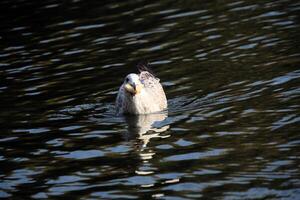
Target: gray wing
[[154, 88]]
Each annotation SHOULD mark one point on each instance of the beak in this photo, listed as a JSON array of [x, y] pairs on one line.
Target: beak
[[133, 88]]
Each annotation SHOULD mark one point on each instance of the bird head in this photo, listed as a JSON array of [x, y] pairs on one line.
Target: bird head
[[132, 84]]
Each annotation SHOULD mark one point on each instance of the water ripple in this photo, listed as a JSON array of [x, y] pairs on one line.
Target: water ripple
[[230, 72]]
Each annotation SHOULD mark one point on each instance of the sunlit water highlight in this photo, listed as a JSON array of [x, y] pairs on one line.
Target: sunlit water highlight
[[231, 73]]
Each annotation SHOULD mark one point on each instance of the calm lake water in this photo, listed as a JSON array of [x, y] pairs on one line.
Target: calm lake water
[[231, 72]]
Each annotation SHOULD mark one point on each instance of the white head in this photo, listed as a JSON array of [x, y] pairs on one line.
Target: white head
[[133, 84]]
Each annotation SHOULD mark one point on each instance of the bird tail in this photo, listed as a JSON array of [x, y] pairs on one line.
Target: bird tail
[[144, 66]]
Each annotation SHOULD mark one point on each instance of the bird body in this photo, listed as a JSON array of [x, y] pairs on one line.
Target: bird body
[[141, 94]]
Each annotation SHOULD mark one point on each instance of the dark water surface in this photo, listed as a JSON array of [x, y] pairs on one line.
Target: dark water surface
[[231, 71]]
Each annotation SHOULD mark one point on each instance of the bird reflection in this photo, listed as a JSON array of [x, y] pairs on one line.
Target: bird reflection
[[143, 128], [148, 126]]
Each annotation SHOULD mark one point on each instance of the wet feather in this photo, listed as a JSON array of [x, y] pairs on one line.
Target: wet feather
[[151, 99]]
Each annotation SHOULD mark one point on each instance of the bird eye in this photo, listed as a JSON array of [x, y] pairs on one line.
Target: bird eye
[[127, 79]]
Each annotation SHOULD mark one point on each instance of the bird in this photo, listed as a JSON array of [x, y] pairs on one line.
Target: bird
[[141, 93]]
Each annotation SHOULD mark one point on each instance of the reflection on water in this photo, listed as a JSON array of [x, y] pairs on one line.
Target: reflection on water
[[231, 73], [147, 126], [144, 128]]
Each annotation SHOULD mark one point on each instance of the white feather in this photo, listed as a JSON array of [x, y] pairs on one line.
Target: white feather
[[151, 98]]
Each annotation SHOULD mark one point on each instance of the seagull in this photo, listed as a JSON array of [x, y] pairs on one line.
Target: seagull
[[141, 93]]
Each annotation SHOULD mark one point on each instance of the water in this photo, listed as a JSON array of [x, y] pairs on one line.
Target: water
[[231, 73]]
